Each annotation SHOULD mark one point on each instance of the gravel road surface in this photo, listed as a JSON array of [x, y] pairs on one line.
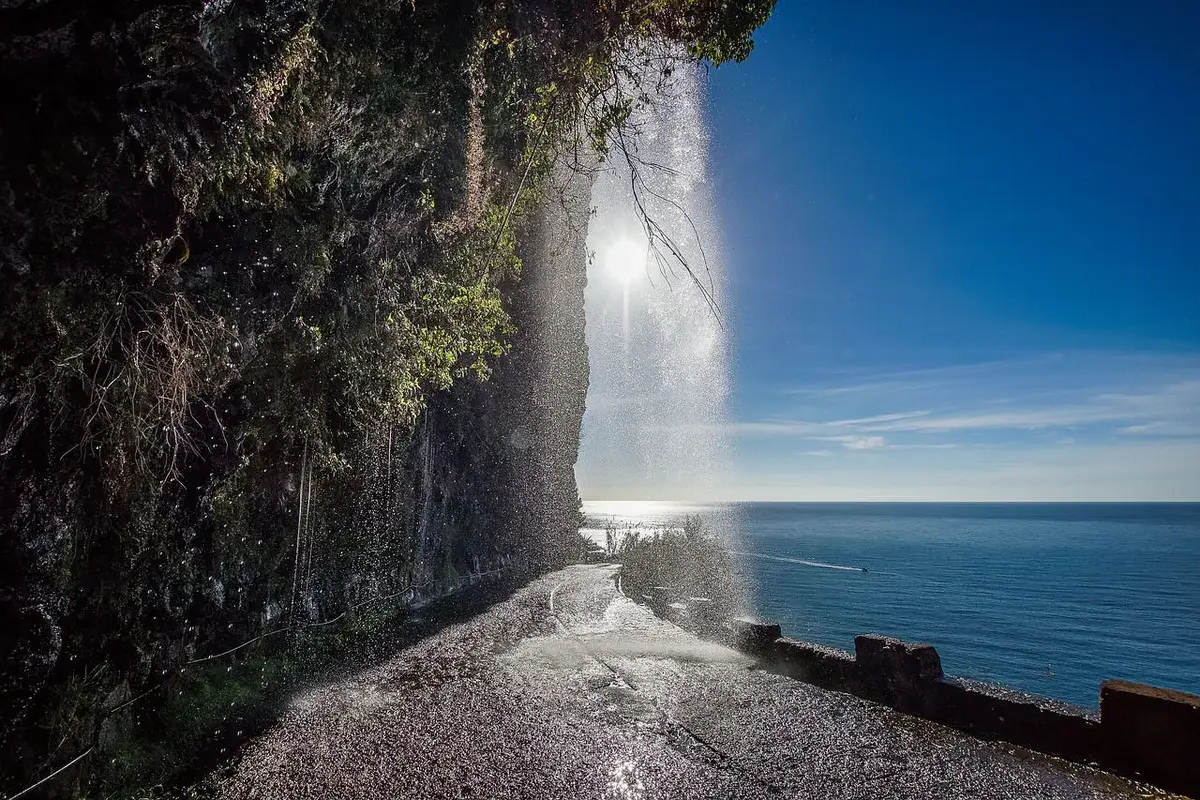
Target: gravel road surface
[[569, 690]]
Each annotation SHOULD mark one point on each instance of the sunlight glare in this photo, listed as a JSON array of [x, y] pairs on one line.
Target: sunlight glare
[[625, 260]]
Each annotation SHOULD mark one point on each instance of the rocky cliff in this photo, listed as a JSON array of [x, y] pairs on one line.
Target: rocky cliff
[[292, 322]]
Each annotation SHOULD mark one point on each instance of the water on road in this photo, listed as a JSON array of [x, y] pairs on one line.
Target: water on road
[[569, 690]]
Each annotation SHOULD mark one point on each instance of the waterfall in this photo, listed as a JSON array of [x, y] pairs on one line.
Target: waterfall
[[655, 425]]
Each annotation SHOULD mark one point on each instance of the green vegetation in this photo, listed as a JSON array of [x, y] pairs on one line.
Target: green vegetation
[[685, 557], [244, 250], [211, 707], [208, 707]]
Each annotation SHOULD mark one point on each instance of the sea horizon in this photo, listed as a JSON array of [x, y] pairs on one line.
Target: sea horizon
[[900, 502], [1048, 597]]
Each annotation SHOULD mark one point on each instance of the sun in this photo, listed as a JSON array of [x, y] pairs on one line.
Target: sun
[[625, 260]]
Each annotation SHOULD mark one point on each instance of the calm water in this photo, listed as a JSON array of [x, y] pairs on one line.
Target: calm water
[[1049, 598]]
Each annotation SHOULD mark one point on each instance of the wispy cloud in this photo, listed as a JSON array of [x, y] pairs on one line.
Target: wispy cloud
[[1128, 469], [1163, 428], [1022, 419], [1171, 409], [938, 446], [910, 379], [880, 418], [779, 427], [856, 442], [1046, 428]]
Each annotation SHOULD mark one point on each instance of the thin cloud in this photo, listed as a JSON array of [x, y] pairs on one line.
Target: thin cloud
[[919, 378], [856, 442], [779, 427], [817, 430], [939, 446], [858, 388], [1171, 410], [1029, 419], [1162, 428], [903, 415], [1082, 426]]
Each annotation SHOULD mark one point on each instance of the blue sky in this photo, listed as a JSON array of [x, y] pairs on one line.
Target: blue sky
[[963, 251]]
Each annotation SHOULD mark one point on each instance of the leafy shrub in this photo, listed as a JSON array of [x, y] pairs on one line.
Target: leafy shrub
[[686, 558]]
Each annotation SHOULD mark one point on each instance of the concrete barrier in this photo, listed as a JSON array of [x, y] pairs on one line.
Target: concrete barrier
[[996, 712], [908, 677], [894, 672], [826, 667], [752, 636], [1143, 732], [1152, 733]]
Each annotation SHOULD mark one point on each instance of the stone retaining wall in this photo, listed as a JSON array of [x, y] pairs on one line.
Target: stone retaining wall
[[1144, 732]]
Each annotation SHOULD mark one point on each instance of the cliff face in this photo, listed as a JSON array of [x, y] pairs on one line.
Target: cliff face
[[546, 391], [258, 261], [292, 321], [501, 454], [484, 480]]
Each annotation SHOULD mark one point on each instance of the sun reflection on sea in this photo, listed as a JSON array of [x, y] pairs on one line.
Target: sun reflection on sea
[[646, 516], [634, 510]]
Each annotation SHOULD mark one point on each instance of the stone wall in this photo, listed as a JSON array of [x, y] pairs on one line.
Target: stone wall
[[1143, 732]]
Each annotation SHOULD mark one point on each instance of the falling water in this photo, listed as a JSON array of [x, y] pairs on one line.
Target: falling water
[[657, 332], [656, 413]]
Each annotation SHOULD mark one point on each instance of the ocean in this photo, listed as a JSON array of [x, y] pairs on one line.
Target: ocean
[[1050, 598]]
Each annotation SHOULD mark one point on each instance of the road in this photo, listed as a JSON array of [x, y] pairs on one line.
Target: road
[[569, 690]]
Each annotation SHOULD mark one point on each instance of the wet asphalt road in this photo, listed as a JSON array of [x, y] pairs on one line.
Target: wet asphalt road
[[569, 690]]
